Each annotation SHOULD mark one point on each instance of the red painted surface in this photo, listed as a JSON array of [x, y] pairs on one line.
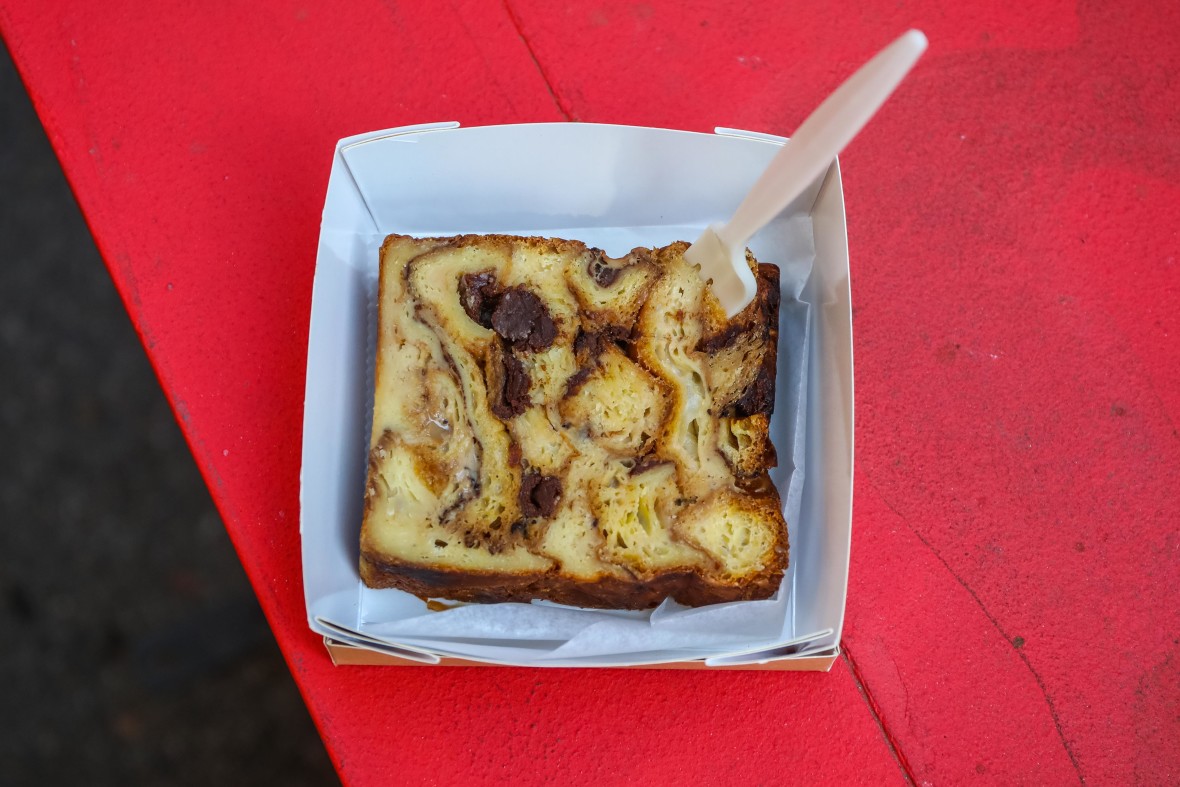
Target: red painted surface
[[1012, 217]]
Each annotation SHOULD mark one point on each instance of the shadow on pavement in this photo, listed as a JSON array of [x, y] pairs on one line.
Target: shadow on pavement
[[133, 648]]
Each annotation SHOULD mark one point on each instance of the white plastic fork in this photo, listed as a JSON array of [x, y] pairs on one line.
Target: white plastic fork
[[720, 251]]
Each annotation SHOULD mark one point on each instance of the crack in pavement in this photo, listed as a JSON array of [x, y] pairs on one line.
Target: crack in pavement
[[533, 55], [1024, 658], [862, 687]]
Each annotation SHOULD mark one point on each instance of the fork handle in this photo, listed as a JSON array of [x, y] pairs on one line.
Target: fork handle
[[821, 137]]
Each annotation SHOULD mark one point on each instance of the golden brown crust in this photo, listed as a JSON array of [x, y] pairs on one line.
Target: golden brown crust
[[525, 401], [745, 444], [606, 592], [750, 339]]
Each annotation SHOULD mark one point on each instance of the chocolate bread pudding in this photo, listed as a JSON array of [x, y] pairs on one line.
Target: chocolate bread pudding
[[552, 423]]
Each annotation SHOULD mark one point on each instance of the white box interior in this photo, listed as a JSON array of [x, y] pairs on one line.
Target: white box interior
[[615, 187]]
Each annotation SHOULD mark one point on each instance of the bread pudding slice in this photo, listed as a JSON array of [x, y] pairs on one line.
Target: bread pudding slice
[[552, 423]]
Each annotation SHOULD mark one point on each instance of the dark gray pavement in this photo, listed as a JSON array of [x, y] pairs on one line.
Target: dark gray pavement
[[132, 649]]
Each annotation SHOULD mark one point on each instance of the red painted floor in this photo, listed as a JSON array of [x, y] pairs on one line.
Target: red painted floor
[[1013, 212]]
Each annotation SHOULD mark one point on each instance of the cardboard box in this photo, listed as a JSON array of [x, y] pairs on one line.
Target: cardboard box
[[615, 187]]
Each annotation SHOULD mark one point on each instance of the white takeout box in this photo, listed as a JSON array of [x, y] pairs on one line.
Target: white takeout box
[[615, 187]]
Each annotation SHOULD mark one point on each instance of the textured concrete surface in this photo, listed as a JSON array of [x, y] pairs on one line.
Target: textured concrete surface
[[133, 648]]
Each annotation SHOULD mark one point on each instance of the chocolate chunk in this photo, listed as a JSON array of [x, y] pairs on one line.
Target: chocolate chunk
[[758, 485], [515, 393], [539, 494], [546, 495], [514, 454], [606, 271], [480, 295], [618, 334], [520, 317], [544, 332], [646, 463], [586, 343], [578, 379], [515, 314], [587, 346], [507, 382], [604, 275]]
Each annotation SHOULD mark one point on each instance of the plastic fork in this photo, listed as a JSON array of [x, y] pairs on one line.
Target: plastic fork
[[720, 251]]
